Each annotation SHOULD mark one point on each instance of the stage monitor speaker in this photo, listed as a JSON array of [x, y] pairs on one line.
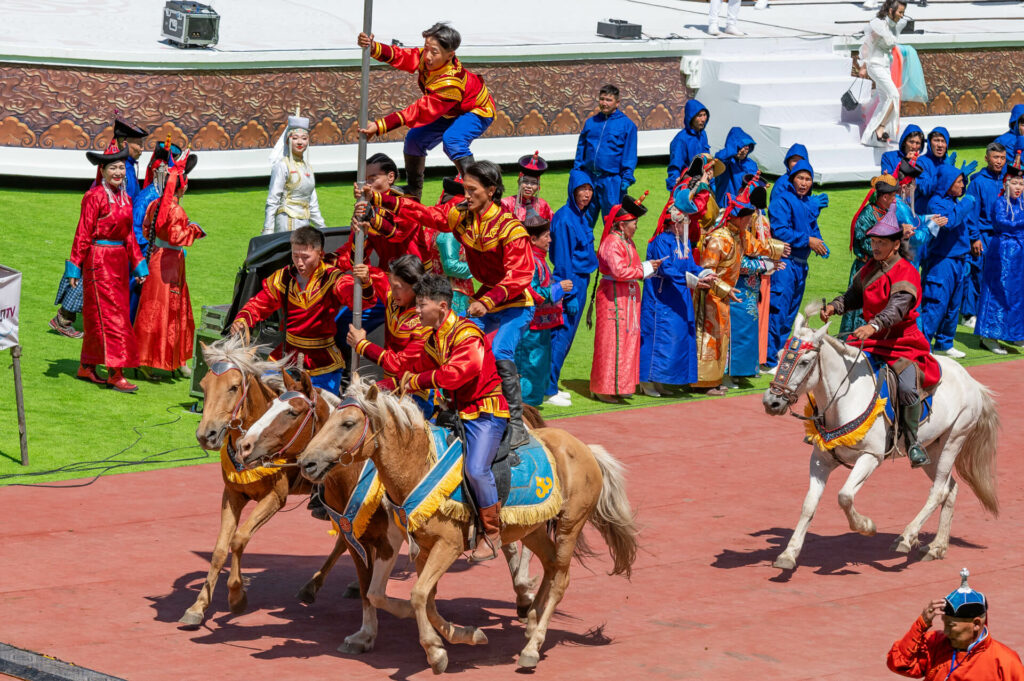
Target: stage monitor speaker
[[619, 29], [190, 24]]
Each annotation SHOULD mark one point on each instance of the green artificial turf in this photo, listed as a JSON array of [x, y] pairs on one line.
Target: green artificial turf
[[71, 422]]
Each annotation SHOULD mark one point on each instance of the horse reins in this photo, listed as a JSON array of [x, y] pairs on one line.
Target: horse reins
[[793, 351], [267, 459], [234, 423]]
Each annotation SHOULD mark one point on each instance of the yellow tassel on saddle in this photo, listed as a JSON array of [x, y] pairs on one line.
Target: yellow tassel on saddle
[[826, 440]]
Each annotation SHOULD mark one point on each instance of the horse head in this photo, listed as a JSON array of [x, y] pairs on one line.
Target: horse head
[[797, 371], [230, 389], [343, 437], [287, 426]]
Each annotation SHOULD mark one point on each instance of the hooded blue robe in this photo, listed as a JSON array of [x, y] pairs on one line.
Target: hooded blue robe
[[1001, 304], [891, 159], [668, 340], [795, 150], [943, 266], [572, 257], [731, 181], [794, 219], [606, 152], [985, 187], [687, 143], [1012, 140], [929, 164]]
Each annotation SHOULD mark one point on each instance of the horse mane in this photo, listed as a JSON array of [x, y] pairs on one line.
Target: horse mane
[[249, 358], [401, 411]]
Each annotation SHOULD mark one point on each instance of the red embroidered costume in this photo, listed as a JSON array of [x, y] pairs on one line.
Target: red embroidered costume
[[448, 92], [404, 336], [456, 359], [164, 326], [309, 313], [924, 654]]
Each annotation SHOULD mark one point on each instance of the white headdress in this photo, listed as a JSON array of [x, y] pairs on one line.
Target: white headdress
[[295, 122]]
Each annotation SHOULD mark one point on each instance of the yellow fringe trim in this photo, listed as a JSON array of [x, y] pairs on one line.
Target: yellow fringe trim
[[369, 507], [244, 477], [515, 515], [847, 440], [435, 499]]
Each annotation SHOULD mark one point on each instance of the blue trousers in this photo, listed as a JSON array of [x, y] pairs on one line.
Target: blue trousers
[[456, 134], [608, 192], [330, 382], [787, 294], [972, 279], [942, 296], [562, 336], [508, 327], [373, 318], [483, 435]]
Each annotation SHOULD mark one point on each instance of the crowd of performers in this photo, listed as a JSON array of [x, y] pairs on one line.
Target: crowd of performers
[[481, 294]]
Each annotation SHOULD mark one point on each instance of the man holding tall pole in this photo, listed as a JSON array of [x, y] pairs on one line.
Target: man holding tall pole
[[364, 99]]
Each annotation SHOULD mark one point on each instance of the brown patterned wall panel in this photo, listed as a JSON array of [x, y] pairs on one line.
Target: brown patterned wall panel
[[970, 81], [222, 109]]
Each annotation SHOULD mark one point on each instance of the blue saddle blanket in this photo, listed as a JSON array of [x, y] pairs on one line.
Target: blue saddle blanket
[[533, 478], [890, 400]]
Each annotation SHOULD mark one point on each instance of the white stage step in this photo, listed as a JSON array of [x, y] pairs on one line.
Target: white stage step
[[781, 92]]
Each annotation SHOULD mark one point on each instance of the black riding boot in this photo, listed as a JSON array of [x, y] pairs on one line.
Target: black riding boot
[[910, 417], [414, 169], [513, 395], [462, 163]]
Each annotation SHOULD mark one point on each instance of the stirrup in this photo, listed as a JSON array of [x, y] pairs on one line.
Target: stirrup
[[490, 542], [918, 462]]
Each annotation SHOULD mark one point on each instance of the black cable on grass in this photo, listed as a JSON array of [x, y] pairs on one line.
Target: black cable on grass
[[108, 464]]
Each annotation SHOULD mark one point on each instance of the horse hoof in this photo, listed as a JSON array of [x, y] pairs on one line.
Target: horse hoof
[[528, 660], [523, 610], [241, 605], [901, 546], [191, 620], [307, 594], [439, 663], [352, 591], [869, 529], [479, 638], [784, 563], [932, 554], [354, 647]]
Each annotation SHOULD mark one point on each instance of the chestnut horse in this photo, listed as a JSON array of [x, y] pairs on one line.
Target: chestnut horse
[[390, 430], [235, 395], [285, 429]]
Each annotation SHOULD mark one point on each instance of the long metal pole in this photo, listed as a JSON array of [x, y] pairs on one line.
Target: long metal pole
[[364, 108]]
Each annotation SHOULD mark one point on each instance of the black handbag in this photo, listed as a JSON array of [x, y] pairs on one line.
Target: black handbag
[[849, 101]]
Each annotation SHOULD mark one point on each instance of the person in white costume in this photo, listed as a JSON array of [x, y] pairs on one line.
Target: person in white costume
[[880, 36], [291, 201], [732, 14]]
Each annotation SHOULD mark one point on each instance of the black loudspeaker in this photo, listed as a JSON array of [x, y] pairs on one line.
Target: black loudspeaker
[[618, 28], [190, 24]]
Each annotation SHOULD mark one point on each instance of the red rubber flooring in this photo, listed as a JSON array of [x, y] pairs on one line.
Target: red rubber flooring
[[98, 576]]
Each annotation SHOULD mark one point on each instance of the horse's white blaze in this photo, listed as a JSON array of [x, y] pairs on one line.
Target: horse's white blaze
[[255, 431]]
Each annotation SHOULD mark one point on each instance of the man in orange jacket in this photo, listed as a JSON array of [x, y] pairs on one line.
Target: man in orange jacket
[[963, 650]]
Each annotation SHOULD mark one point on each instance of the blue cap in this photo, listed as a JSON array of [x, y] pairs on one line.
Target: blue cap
[[965, 602]]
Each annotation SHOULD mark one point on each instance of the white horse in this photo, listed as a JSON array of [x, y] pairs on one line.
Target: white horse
[[960, 431]]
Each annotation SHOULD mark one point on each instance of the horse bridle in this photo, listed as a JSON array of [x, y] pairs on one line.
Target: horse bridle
[[267, 460], [218, 368], [346, 458], [793, 350]]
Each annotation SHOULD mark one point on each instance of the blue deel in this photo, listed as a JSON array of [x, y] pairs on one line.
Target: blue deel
[[668, 346], [731, 181], [140, 204], [891, 159], [1012, 139], [607, 148], [955, 238], [1001, 304], [942, 283], [985, 186], [787, 292], [687, 143]]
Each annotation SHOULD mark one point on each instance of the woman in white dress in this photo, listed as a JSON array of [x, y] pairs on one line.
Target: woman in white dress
[[880, 36], [291, 201]]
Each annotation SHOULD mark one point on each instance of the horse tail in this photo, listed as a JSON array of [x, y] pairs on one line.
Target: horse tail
[[976, 462], [613, 517]]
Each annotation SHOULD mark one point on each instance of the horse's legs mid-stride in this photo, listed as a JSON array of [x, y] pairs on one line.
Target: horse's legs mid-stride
[[822, 466], [308, 592], [264, 511], [382, 567], [556, 558], [431, 564], [861, 471], [937, 549], [518, 558], [230, 511], [943, 452]]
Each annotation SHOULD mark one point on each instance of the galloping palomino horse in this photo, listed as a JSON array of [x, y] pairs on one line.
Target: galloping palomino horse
[[390, 430], [284, 430], [235, 394], [960, 431]]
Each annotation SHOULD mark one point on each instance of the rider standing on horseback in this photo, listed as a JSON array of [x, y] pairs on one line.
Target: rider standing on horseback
[[888, 289], [457, 360]]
